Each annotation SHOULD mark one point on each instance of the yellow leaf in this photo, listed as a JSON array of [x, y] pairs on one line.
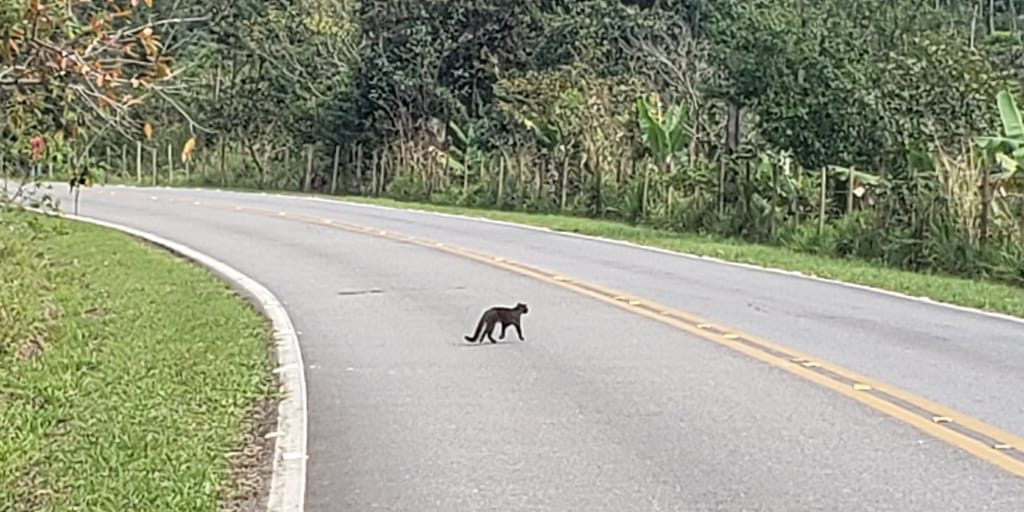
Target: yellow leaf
[[149, 3], [186, 152], [148, 130]]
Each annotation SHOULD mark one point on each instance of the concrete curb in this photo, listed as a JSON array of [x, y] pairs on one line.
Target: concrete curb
[[288, 483]]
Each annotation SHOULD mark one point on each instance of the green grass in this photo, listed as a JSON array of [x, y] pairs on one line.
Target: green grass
[[126, 375]]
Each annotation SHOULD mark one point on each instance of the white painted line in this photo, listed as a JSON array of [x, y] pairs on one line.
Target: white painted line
[[288, 481], [748, 266]]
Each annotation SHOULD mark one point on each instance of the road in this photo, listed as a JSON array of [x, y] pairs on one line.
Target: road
[[601, 408]]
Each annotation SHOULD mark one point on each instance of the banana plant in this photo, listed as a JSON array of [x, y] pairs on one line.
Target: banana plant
[[665, 135], [1008, 149], [463, 159]]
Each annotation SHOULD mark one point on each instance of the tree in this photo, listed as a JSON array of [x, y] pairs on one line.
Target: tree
[[69, 70]]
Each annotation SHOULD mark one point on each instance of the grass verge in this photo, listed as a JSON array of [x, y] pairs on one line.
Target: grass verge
[[128, 380], [984, 295], [989, 296]]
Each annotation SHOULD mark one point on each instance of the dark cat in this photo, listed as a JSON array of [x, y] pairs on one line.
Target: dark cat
[[507, 316]]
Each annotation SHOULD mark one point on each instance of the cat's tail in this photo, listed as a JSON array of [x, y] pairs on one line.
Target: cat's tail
[[476, 334]]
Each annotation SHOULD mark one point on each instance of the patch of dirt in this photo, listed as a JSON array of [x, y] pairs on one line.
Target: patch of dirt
[[252, 467], [31, 348], [30, 491]]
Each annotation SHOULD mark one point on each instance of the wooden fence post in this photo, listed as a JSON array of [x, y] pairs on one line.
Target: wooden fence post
[[824, 199], [309, 168], [334, 172], [775, 198], [986, 199], [223, 163], [565, 183], [138, 162], [501, 177], [373, 173], [359, 170], [849, 192], [170, 166]]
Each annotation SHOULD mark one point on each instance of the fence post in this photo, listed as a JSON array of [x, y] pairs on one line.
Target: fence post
[[775, 198], [138, 162], [334, 173], [849, 192], [373, 173], [359, 170], [824, 199], [223, 163], [309, 168], [565, 183], [986, 199], [501, 177]]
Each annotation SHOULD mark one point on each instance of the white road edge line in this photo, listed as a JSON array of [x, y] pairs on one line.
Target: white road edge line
[[288, 482], [748, 266]]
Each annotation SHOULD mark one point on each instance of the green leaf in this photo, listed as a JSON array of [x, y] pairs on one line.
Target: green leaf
[[1007, 163], [654, 135], [1013, 127], [678, 139]]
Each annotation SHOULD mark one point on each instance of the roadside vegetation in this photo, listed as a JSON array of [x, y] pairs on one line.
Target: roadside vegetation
[[127, 377]]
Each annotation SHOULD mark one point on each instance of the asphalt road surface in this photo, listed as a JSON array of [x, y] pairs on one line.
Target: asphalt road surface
[[600, 409]]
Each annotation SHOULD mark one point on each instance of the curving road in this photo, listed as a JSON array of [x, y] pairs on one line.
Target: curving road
[[604, 408]]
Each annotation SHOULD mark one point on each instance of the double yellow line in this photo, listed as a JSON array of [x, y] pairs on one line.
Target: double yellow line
[[980, 439]]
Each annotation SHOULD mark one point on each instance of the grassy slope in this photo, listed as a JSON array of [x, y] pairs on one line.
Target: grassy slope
[[983, 295], [125, 376]]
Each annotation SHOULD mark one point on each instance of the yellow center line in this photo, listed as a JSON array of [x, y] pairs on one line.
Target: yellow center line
[[987, 442]]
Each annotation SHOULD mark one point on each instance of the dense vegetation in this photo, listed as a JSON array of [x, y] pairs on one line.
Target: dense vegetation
[[879, 129]]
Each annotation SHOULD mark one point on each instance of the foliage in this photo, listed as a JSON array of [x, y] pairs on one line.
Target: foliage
[[68, 70]]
